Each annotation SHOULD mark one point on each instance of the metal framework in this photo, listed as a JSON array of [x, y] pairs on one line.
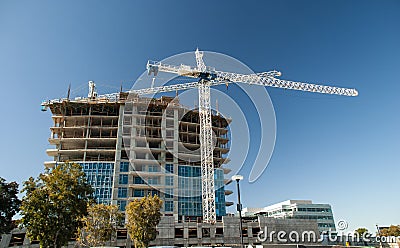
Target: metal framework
[[206, 145], [208, 77]]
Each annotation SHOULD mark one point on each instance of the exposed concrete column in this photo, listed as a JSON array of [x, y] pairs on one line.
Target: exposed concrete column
[[176, 162], [87, 133], [164, 136], [250, 232], [185, 231], [199, 231], [131, 152], [117, 160], [212, 231]]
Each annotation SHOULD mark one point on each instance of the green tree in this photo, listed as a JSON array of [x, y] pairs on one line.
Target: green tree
[[9, 205], [100, 225], [390, 231], [143, 217], [360, 231], [54, 205]]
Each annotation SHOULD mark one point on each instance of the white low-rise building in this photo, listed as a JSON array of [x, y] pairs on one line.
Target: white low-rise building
[[297, 209]]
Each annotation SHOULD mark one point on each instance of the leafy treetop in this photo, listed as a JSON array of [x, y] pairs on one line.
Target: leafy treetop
[[9, 205], [54, 205], [143, 217]]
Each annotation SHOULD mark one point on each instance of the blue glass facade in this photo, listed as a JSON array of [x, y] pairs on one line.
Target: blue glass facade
[[220, 206], [100, 176], [189, 198]]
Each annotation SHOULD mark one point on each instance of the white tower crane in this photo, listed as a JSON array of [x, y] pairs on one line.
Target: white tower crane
[[208, 77]]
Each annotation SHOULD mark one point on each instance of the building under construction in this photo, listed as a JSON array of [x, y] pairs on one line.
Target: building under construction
[[131, 146]]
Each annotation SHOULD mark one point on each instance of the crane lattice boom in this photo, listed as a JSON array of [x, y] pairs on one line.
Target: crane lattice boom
[[208, 77], [220, 77]]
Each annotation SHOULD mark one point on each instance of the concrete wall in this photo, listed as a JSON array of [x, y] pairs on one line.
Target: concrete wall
[[225, 233]]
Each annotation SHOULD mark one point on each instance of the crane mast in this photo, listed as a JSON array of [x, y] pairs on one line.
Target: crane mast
[[208, 77], [206, 144]]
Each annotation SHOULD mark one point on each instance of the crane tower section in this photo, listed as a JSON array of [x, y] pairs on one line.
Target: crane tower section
[[207, 77], [206, 144]]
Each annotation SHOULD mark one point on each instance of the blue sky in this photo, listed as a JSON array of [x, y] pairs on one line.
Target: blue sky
[[337, 150]]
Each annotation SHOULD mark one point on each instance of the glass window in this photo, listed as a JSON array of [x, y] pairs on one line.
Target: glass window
[[121, 205], [153, 192], [154, 168], [138, 193], [169, 193], [122, 192], [169, 206], [138, 180], [99, 176], [152, 180], [169, 180], [123, 179], [169, 168], [124, 167]]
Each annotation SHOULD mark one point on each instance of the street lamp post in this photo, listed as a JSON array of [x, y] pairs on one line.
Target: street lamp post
[[237, 178]]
